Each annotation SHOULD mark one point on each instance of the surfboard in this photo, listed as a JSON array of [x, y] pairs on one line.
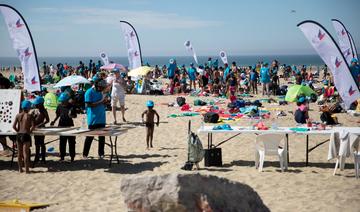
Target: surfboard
[[19, 206]]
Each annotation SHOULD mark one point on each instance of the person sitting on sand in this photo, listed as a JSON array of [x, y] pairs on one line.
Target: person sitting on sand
[[24, 125], [149, 122], [301, 114]]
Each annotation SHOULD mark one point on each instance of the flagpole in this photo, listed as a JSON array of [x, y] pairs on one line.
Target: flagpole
[[353, 47], [137, 39], [31, 38]]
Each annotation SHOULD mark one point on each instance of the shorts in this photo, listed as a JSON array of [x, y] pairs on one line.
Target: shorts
[[149, 124], [115, 99], [23, 138]]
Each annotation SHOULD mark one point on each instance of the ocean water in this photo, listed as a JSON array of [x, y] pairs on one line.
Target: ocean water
[[240, 60]]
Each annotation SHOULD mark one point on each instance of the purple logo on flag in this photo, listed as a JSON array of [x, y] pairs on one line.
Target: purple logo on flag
[[136, 53], [351, 91], [132, 34], [19, 24], [33, 81], [337, 63], [222, 54], [102, 55], [343, 32], [27, 52], [321, 35], [187, 44], [346, 53]]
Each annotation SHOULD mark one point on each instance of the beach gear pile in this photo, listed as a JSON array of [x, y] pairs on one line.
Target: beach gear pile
[[216, 110]]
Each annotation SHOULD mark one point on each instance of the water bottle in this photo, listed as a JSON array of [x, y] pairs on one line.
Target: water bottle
[[83, 122]]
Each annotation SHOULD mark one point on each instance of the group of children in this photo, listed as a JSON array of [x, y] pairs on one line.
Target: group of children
[[34, 115]]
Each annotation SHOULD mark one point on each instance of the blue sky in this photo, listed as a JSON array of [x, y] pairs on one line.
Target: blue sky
[[253, 27]]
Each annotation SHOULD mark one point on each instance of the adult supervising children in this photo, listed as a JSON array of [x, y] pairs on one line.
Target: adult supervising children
[[192, 76], [96, 117], [265, 79], [118, 93]]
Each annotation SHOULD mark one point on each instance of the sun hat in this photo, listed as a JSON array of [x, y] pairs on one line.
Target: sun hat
[[63, 97], [25, 105], [354, 60], [38, 100], [115, 70], [150, 103], [301, 99], [96, 78]]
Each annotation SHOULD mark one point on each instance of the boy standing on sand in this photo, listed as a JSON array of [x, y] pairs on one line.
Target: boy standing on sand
[[24, 125], [41, 117], [149, 123]]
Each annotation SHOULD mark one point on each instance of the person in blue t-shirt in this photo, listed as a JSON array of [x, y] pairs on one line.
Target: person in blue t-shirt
[[192, 76], [226, 71], [355, 70], [95, 110], [253, 80], [265, 79]]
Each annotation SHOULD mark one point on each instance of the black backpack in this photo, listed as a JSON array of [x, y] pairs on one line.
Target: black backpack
[[211, 117], [180, 101]]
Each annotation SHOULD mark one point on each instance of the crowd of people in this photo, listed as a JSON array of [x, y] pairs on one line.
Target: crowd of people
[[108, 88]]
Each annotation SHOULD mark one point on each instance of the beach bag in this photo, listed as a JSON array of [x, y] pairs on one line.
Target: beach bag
[[213, 157], [180, 101], [199, 102], [196, 150], [326, 117], [211, 117], [240, 103], [313, 97], [257, 103], [231, 105]]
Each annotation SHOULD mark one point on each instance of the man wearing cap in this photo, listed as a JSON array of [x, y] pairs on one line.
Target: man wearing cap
[[118, 93], [171, 74], [355, 70], [96, 117]]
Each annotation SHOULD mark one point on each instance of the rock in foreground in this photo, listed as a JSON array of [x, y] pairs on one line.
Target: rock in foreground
[[189, 192]]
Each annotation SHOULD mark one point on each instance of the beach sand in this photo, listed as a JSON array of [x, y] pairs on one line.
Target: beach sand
[[90, 185]]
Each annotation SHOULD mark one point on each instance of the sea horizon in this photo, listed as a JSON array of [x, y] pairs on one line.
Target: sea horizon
[[241, 60]]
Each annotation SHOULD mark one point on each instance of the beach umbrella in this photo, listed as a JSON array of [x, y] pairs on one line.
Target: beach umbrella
[[112, 66], [296, 90], [141, 71], [72, 80]]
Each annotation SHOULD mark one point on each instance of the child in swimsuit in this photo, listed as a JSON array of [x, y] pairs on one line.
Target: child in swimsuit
[[24, 125], [149, 123]]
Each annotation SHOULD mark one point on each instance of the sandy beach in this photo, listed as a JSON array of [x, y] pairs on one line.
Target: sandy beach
[[90, 185]]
